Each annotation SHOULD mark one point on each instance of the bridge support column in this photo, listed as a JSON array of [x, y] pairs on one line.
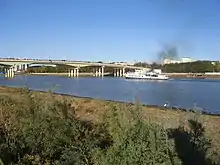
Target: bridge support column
[[71, 72], [93, 71], [99, 71], [9, 72], [25, 66], [117, 72], [114, 72], [103, 71], [15, 68], [120, 72], [77, 72], [123, 72], [20, 67], [96, 72], [74, 72]]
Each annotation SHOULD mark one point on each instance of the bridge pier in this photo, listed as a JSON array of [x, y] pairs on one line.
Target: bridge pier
[[76, 72], [119, 72], [114, 72], [25, 66], [15, 68], [103, 71], [9, 72], [19, 67], [123, 72], [93, 71], [98, 71], [73, 72]]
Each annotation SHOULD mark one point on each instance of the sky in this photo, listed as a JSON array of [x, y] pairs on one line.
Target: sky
[[109, 30]]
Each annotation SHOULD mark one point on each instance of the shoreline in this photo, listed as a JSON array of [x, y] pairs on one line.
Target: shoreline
[[171, 75], [176, 109], [193, 75], [93, 110]]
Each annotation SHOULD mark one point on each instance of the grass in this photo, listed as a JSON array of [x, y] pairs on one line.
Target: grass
[[94, 111]]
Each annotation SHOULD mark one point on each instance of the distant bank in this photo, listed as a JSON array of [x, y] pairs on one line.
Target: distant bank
[[193, 75], [172, 75]]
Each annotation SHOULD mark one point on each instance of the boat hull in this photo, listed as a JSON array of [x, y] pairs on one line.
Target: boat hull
[[147, 78]]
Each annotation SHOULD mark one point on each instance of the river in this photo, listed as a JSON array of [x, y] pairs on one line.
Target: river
[[201, 94]]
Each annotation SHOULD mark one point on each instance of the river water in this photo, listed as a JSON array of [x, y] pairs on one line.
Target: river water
[[203, 94]]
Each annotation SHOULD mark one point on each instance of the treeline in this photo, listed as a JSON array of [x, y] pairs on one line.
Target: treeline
[[193, 67], [47, 69], [62, 69], [190, 67], [39, 132]]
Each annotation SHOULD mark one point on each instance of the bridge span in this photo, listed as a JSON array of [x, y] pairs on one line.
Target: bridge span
[[12, 65]]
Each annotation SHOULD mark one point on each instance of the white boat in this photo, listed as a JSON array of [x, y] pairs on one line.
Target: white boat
[[149, 75]]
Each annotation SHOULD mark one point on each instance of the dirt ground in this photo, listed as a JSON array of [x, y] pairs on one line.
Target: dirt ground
[[94, 110]]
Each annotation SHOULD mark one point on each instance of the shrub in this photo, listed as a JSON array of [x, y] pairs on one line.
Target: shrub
[[39, 131], [42, 133], [135, 141]]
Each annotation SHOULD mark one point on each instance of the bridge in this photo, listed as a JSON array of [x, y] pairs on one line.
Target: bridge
[[12, 65]]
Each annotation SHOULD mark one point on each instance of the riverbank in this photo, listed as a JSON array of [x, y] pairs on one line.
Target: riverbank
[[193, 75], [64, 74], [93, 110], [51, 128], [58, 74]]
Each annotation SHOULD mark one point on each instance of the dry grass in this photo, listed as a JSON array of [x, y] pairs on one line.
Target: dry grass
[[94, 110]]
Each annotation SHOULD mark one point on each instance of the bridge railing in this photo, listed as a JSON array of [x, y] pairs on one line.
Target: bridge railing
[[70, 62]]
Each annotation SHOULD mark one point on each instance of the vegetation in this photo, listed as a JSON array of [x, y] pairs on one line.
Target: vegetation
[[47, 69], [190, 67], [62, 69], [36, 130], [193, 67], [171, 52]]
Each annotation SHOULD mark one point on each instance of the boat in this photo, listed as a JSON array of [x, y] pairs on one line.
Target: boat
[[148, 75]]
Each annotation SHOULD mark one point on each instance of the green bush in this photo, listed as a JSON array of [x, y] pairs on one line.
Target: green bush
[[135, 141], [39, 131]]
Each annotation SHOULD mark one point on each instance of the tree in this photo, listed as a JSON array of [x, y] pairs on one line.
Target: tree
[[193, 67]]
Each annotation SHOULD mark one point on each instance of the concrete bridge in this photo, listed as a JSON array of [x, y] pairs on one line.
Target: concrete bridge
[[13, 65]]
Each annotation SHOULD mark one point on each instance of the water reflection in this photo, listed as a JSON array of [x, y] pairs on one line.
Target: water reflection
[[177, 92]]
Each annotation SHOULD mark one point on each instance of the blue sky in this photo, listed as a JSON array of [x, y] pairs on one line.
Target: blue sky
[[109, 30]]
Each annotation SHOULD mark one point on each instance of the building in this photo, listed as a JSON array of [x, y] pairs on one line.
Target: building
[[159, 71], [182, 60], [124, 63], [186, 59], [169, 61]]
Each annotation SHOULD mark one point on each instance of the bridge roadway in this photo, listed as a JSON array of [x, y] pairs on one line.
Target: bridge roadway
[[11, 62], [119, 69]]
